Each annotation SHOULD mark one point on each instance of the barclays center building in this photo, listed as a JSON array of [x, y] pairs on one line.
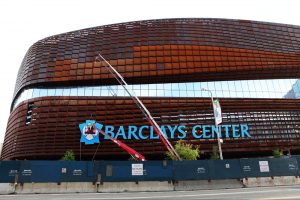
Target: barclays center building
[[174, 66]]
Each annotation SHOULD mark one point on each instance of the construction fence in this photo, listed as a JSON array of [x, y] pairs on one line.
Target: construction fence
[[134, 171]]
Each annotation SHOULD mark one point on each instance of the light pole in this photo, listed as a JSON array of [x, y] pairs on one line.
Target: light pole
[[216, 124]]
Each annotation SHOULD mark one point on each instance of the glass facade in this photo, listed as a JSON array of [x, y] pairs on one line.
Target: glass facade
[[296, 89], [253, 67], [275, 88]]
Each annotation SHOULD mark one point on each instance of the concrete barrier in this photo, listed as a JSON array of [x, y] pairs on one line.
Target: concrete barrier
[[86, 187], [46, 188], [271, 181], [258, 182], [145, 186], [207, 185], [286, 180], [81, 187], [7, 188]]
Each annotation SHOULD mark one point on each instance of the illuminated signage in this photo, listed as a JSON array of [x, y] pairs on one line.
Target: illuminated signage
[[90, 132], [178, 132]]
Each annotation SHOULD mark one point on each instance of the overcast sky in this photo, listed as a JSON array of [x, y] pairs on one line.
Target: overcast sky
[[24, 22]]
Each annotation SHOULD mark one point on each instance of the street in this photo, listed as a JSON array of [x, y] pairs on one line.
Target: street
[[263, 193]]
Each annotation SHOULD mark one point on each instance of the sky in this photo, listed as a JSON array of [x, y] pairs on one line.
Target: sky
[[23, 22]]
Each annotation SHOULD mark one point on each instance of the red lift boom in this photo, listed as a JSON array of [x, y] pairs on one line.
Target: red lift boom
[[142, 107]]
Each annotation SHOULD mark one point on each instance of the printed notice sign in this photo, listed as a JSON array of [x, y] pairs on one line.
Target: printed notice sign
[[264, 166], [137, 169]]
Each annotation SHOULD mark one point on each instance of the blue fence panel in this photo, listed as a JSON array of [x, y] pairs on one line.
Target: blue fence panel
[[297, 157], [77, 171], [91, 169], [135, 171], [45, 171], [284, 167], [9, 170], [25, 173], [256, 167], [114, 171], [158, 170], [191, 170], [225, 169], [99, 168], [121, 171]]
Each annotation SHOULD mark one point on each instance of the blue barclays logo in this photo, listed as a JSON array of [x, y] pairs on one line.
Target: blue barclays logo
[[178, 132], [90, 132]]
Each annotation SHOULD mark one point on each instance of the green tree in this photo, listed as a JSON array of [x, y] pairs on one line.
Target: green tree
[[277, 153], [215, 153], [69, 155], [185, 151]]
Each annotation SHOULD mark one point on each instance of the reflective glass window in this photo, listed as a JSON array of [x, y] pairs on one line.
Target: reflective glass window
[[51, 92], [58, 92], [104, 92], [29, 93], [278, 88], [73, 92], [144, 93], [168, 92], [66, 91], [137, 92], [88, 91], [35, 93], [96, 92], [43, 92], [25, 94], [80, 91]]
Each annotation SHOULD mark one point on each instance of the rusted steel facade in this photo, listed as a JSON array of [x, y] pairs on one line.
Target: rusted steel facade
[[156, 51]]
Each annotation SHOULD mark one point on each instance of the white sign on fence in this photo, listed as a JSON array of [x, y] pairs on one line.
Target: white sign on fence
[[264, 166], [137, 169]]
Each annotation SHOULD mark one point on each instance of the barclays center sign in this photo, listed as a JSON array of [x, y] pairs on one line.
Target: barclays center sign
[[178, 132], [90, 131]]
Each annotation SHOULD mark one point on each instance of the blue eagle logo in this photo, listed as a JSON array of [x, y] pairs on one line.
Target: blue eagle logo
[[90, 132]]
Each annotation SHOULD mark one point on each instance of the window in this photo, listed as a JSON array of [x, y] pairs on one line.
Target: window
[[277, 88]]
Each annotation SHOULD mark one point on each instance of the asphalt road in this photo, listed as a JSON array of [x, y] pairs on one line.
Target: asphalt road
[[265, 193]]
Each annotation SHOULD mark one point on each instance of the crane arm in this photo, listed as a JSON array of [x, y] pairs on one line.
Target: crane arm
[[131, 151], [140, 105]]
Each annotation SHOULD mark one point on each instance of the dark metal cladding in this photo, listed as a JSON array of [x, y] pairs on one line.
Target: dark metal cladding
[[156, 51], [167, 50]]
